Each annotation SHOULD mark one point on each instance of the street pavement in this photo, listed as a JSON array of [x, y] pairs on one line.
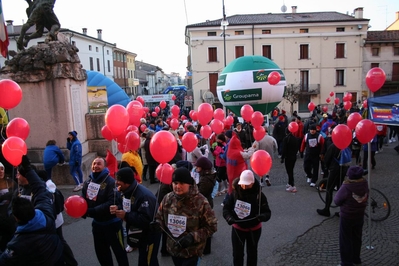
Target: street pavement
[[295, 234]]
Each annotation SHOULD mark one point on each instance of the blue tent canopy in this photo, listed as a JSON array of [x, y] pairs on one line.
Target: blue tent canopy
[[384, 109], [175, 88], [116, 95]]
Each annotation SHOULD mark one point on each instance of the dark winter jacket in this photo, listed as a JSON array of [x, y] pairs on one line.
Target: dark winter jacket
[[98, 208], [206, 183], [52, 155], [250, 196], [35, 243], [352, 198], [290, 147]]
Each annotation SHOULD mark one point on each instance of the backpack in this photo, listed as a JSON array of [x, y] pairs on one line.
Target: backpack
[[344, 157], [58, 201]]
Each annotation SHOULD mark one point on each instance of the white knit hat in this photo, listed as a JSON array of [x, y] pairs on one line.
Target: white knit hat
[[246, 178]]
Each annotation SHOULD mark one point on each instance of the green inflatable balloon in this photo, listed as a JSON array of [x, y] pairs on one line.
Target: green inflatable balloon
[[245, 81]]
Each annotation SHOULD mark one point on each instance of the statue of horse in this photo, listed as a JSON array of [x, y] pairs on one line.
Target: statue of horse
[[41, 14]]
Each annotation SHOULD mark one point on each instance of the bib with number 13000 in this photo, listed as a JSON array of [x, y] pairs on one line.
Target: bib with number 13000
[[177, 224], [92, 191], [242, 209]]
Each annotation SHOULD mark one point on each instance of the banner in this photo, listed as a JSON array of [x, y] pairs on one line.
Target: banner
[[384, 109]]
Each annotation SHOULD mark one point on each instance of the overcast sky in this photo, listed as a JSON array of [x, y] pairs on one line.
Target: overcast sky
[[154, 30]]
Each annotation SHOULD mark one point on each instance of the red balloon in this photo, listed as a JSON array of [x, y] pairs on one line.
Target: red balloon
[[117, 119], [311, 106], [336, 101], [345, 98], [348, 96], [163, 146], [154, 114], [246, 112], [174, 123], [146, 109], [206, 131], [325, 108], [261, 162], [75, 206], [164, 173], [175, 110], [347, 105], [18, 127], [187, 124], [157, 109], [229, 120], [205, 113], [328, 100], [173, 97], [365, 104], [121, 138], [341, 136], [189, 141], [122, 147], [257, 119], [375, 78], [162, 104], [218, 114], [293, 127], [273, 78], [259, 133], [331, 94], [132, 128], [135, 111], [106, 133], [353, 119], [141, 100], [183, 117], [13, 149], [217, 126], [132, 141], [193, 115], [143, 127], [11, 94], [365, 131]]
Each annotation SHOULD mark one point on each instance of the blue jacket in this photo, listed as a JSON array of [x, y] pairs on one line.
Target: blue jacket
[[35, 243], [52, 155], [76, 151]]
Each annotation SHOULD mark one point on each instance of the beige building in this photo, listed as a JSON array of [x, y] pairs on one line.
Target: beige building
[[319, 52]]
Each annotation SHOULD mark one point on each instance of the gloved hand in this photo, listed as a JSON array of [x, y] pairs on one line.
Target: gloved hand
[[185, 241], [282, 160], [25, 166], [154, 227], [261, 217], [230, 220], [90, 212], [76, 163], [68, 140]]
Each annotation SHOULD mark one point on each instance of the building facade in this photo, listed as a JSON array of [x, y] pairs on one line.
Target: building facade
[[319, 52]]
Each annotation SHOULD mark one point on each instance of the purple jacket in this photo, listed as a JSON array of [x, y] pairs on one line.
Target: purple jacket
[[352, 198]]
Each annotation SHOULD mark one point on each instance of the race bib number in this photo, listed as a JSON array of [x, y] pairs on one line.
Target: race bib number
[[126, 204], [177, 224], [92, 191], [242, 209], [312, 143]]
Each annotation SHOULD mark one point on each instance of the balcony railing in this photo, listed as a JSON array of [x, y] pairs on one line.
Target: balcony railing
[[307, 89]]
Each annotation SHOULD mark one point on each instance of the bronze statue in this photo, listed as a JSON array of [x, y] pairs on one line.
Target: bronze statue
[[41, 14]]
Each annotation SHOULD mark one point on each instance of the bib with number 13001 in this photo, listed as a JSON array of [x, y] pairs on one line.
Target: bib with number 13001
[[92, 191], [242, 209], [177, 224]]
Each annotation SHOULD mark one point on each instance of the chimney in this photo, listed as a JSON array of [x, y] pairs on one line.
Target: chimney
[[99, 34], [84, 30], [294, 8], [359, 12], [397, 15], [10, 27]]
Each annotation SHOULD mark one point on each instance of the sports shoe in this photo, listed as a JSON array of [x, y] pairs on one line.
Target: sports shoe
[[324, 212], [393, 139], [268, 182], [129, 249], [291, 189], [287, 186], [309, 180], [390, 141], [78, 188], [312, 184], [262, 184]]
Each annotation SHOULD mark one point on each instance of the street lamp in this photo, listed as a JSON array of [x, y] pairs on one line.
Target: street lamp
[[223, 26]]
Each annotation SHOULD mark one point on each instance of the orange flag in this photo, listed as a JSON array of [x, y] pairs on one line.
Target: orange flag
[[112, 163]]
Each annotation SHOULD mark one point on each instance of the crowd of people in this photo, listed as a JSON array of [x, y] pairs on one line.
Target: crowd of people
[[179, 220]]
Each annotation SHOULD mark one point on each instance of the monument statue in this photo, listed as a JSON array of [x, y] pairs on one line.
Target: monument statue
[[41, 14]]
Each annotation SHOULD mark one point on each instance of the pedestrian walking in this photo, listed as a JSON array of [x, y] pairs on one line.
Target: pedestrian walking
[[75, 159]]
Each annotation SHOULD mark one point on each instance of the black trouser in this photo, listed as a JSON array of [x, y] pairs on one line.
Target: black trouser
[[366, 157], [151, 172], [192, 261], [238, 238], [106, 237], [380, 141], [350, 240], [289, 168], [144, 176], [335, 178], [148, 250], [311, 166], [69, 258]]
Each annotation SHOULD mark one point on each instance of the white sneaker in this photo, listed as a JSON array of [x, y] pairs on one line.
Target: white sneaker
[[129, 249], [78, 188], [287, 186], [309, 180], [291, 189], [390, 141], [393, 140], [312, 184]]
